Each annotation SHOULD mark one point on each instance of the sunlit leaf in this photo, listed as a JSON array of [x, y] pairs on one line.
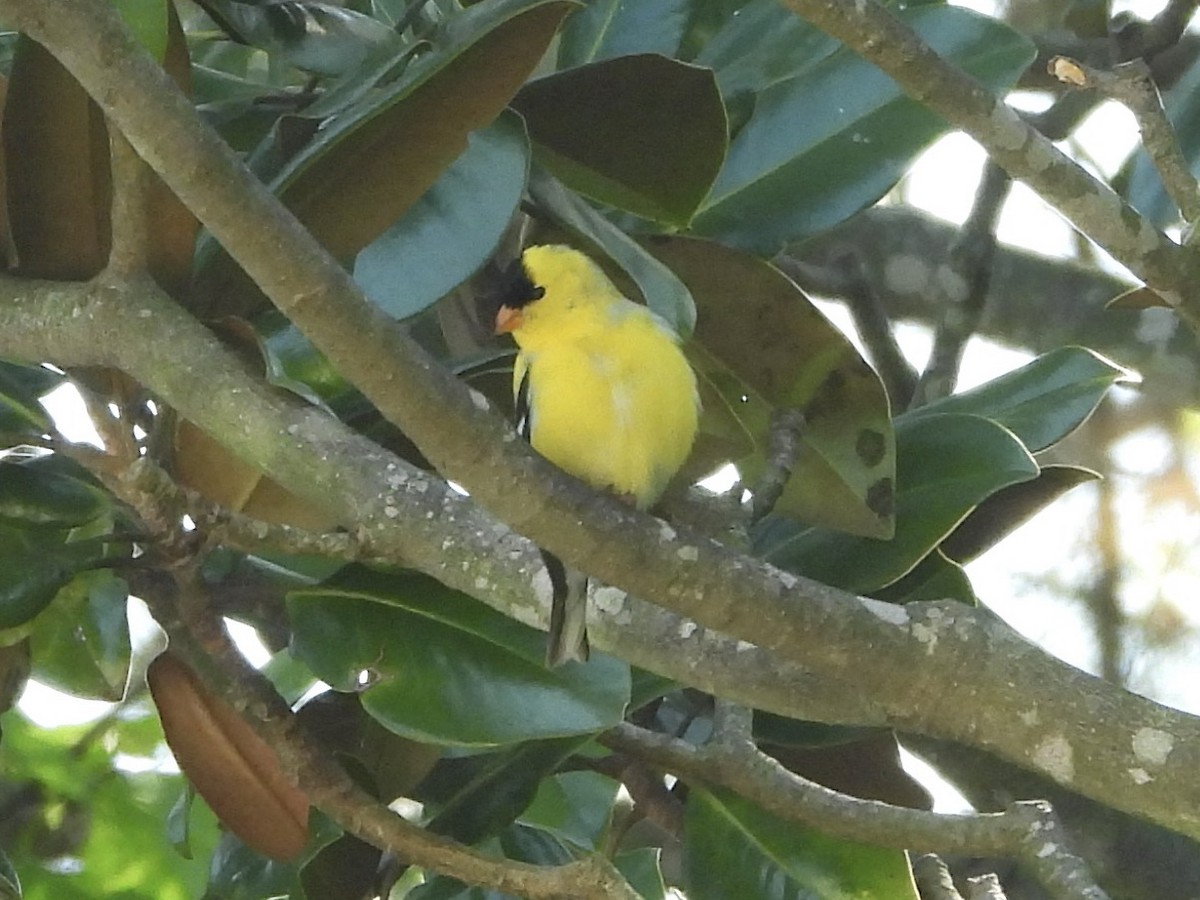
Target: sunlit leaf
[[81, 643], [1041, 402], [736, 849]]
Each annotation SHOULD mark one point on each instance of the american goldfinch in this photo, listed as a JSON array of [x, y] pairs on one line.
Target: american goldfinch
[[603, 391]]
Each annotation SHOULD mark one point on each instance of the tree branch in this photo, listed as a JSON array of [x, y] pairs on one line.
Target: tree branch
[[1095, 209], [1122, 749], [198, 635], [1114, 746], [1027, 831]]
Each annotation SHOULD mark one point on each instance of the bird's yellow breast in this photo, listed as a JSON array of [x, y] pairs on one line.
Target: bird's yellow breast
[[612, 398]]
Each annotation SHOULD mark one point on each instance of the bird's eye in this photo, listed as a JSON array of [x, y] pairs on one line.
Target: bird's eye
[[538, 293]]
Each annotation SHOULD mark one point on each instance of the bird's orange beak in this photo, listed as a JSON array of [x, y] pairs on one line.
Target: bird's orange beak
[[508, 319]]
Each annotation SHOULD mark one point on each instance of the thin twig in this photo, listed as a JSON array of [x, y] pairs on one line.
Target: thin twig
[[964, 283], [1026, 831], [875, 328], [783, 449], [1131, 84], [129, 253], [933, 878]]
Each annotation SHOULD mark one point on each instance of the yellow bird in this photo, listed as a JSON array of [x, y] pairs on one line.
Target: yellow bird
[[603, 391]]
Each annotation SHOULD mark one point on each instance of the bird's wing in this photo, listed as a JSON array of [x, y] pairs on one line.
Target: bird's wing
[[522, 403]]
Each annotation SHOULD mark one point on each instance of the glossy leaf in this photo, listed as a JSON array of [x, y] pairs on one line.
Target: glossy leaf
[[444, 668], [35, 565], [641, 133], [643, 870], [945, 466], [1042, 402], [604, 29], [453, 229], [318, 37], [43, 491], [659, 286], [936, 577], [370, 163], [1009, 508], [735, 849], [822, 145], [81, 642], [575, 807], [765, 342], [21, 387], [763, 44], [478, 796]]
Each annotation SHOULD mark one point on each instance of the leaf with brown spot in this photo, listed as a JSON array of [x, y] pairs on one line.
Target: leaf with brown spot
[[230, 766], [766, 346]]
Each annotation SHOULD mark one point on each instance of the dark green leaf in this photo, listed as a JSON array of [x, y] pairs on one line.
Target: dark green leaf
[[641, 133], [945, 466], [238, 873], [604, 29], [444, 668], [643, 871], [763, 44], [575, 807], [833, 139], [21, 387], [44, 491], [478, 796], [1009, 508], [81, 642], [10, 884], [936, 577], [34, 567], [1042, 402], [317, 37], [453, 229], [736, 849]]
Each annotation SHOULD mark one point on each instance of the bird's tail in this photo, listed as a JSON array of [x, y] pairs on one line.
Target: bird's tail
[[568, 613]]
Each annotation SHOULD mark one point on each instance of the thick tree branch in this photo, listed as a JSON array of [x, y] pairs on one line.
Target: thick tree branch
[[1114, 746], [1125, 750], [1027, 831], [867, 28]]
